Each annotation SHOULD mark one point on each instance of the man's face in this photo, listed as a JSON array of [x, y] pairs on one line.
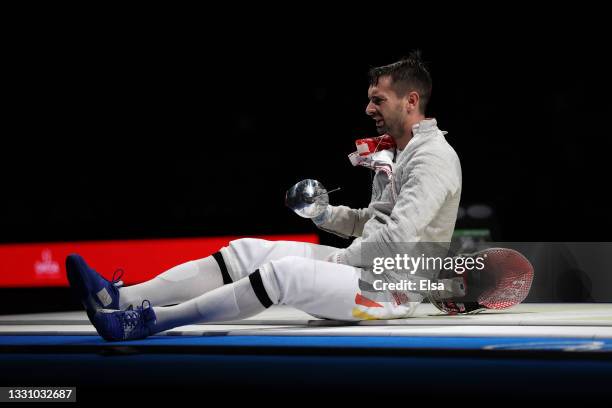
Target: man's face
[[386, 108]]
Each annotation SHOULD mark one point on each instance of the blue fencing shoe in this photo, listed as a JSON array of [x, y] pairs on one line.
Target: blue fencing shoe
[[94, 291], [118, 325]]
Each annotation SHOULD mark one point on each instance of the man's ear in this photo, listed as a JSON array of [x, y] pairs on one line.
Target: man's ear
[[412, 101]]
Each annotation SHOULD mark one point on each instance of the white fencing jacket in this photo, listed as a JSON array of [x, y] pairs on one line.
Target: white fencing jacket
[[418, 202]]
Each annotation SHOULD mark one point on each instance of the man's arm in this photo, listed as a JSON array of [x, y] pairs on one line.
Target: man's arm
[[343, 221]]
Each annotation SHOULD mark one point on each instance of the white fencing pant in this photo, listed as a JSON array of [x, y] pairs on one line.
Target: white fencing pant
[[297, 274]]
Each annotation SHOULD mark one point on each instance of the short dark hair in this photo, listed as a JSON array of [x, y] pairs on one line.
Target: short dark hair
[[407, 75]]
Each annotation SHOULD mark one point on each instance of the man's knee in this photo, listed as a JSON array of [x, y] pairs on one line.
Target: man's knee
[[242, 256]]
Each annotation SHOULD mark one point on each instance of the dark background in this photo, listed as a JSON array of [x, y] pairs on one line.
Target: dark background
[[157, 130], [128, 136]]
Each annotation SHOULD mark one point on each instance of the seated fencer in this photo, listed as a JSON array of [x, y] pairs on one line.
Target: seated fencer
[[415, 197]]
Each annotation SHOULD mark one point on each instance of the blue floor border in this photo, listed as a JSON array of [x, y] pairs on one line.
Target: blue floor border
[[433, 342]]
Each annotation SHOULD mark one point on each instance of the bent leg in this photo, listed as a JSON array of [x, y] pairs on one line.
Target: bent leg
[[232, 263]]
